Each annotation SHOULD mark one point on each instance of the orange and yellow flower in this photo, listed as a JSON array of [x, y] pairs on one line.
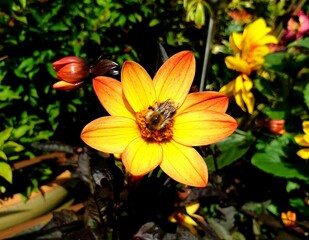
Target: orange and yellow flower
[[288, 218], [249, 48], [303, 140], [156, 123], [185, 218]]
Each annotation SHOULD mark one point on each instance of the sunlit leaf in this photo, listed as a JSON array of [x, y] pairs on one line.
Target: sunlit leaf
[[279, 158], [6, 171], [231, 149], [5, 134], [12, 147]]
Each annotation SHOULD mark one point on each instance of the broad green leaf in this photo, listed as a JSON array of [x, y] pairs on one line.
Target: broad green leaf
[[6, 171], [280, 159], [274, 61], [231, 149]]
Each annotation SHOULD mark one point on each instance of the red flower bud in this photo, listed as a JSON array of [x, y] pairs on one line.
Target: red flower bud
[[71, 69]]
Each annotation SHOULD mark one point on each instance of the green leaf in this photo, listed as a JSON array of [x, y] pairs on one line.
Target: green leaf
[[231, 149], [59, 27], [6, 171], [20, 131], [3, 155], [265, 88], [300, 43], [5, 134], [274, 61], [96, 38], [154, 22], [299, 204], [276, 159], [279, 111], [6, 94], [306, 94], [12, 147]]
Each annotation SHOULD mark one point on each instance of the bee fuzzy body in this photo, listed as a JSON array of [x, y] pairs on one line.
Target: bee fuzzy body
[[160, 115]]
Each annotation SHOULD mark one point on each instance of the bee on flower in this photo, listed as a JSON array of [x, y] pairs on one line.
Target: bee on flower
[[156, 122]]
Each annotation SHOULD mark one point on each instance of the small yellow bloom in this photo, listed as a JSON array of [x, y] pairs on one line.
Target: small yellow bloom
[[156, 123], [240, 88], [185, 217], [250, 48], [288, 218], [303, 140]]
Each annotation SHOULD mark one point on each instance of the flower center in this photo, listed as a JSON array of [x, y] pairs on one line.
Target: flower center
[[156, 122]]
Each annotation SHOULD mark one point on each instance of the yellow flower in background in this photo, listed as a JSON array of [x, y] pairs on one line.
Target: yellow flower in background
[[156, 123], [240, 88], [250, 48], [185, 217], [303, 140]]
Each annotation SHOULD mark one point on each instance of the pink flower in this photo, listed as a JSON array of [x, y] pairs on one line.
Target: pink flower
[[298, 26]]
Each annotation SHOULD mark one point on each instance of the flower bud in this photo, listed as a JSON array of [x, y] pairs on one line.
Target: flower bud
[[71, 70], [103, 67]]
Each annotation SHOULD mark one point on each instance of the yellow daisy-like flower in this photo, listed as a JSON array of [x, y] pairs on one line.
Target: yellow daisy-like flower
[[185, 218], [156, 123], [250, 48], [303, 140]]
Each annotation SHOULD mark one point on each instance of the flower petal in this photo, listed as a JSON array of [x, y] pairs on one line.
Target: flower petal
[[141, 157], [192, 208], [137, 86], [109, 92], [300, 139], [202, 127], [306, 127], [248, 96], [267, 40], [236, 41], [204, 101], [303, 153], [256, 30], [188, 220], [228, 88], [62, 85], [237, 64], [174, 78], [184, 164], [110, 134]]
